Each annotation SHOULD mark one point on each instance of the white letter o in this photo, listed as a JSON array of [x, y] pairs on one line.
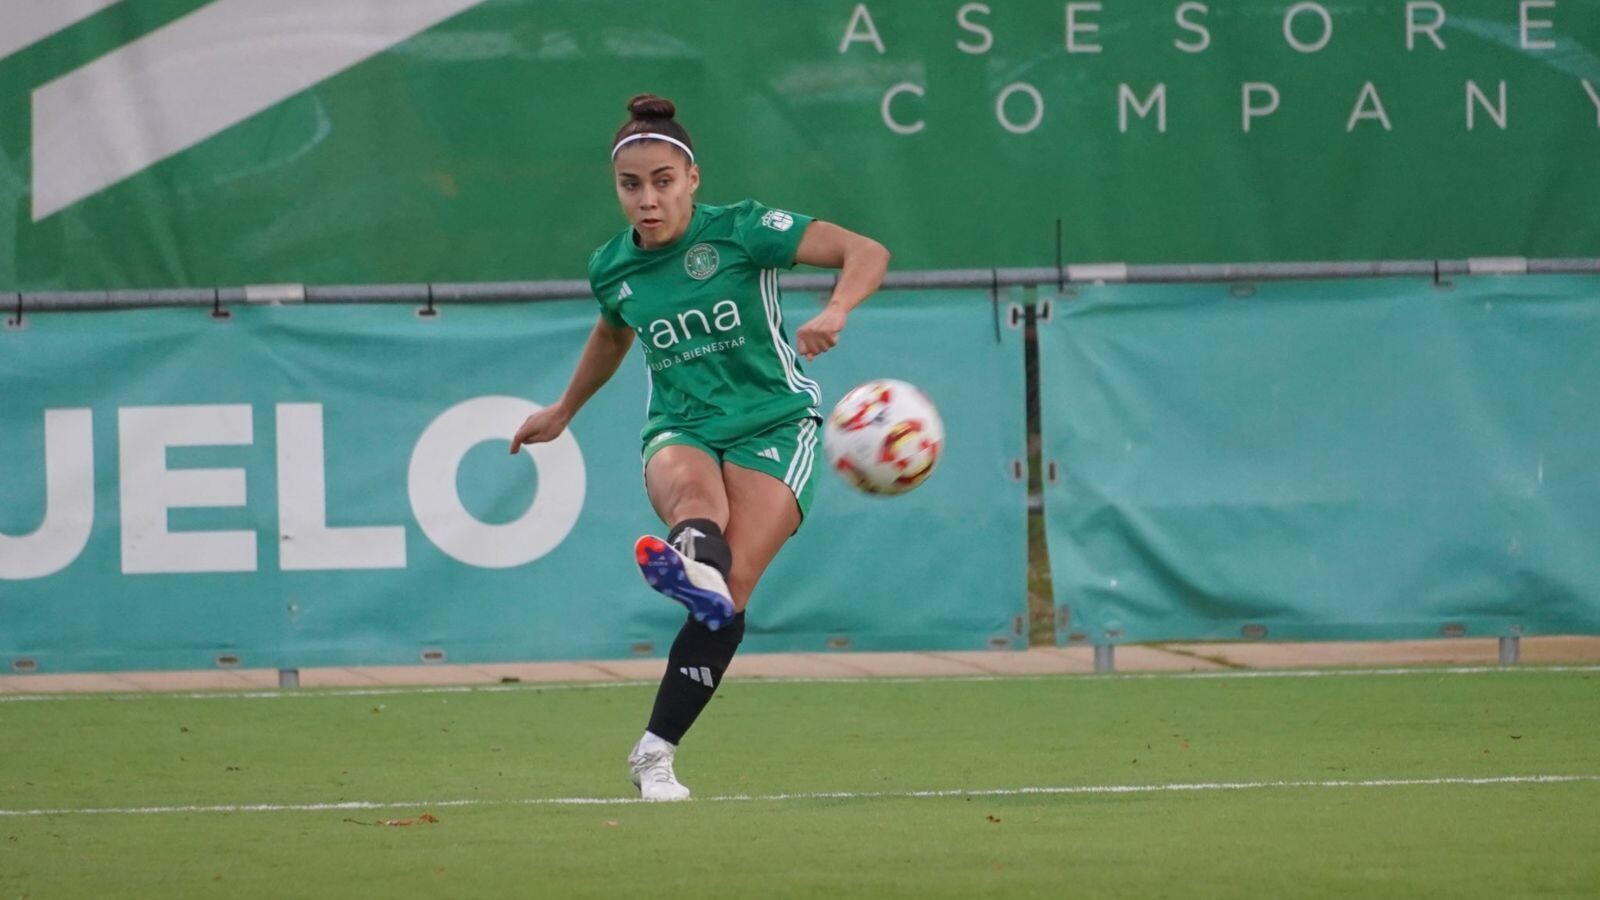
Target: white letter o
[[431, 482], [1288, 27], [1000, 107]]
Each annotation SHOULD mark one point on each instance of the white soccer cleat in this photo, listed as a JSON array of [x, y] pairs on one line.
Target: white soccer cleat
[[650, 767]]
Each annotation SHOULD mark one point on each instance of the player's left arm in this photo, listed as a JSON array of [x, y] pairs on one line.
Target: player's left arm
[[861, 262]]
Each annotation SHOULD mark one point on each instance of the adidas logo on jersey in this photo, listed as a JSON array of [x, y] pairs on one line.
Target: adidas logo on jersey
[[625, 293], [770, 453], [699, 675]]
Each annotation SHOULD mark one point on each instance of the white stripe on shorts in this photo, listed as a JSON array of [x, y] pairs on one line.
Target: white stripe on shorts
[[805, 454]]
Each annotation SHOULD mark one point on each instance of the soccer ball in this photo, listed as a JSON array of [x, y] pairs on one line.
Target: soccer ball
[[883, 437]]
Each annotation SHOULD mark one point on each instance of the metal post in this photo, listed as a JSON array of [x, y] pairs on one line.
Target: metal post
[[1105, 658], [1510, 650], [288, 678]]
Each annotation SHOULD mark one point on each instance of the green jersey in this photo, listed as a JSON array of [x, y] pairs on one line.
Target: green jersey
[[706, 310]]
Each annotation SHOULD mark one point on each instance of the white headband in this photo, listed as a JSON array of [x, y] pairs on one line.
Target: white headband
[[652, 136]]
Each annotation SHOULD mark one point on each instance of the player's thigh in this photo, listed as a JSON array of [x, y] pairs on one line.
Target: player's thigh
[[684, 481], [762, 513]]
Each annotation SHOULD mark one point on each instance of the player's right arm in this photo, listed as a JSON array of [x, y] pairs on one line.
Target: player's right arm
[[608, 344]]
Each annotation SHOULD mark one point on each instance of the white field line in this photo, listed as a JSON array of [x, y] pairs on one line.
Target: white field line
[[817, 795], [1226, 674]]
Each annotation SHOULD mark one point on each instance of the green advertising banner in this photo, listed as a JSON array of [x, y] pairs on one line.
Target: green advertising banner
[[170, 143], [329, 485], [1324, 460]]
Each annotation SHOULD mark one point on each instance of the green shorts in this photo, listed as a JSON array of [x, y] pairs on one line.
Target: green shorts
[[787, 452]]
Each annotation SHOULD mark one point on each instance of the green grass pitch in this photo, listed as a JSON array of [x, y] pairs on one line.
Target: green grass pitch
[[904, 765]]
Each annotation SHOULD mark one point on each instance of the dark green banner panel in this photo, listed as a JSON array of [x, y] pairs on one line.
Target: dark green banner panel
[[184, 142], [329, 485], [1324, 460]]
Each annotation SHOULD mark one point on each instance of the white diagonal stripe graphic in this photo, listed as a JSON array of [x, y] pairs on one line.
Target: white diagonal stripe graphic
[[27, 22], [197, 77], [706, 673]]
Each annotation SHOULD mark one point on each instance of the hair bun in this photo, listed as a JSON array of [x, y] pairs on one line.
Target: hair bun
[[649, 106]]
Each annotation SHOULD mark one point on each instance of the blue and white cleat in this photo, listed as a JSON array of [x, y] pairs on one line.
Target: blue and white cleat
[[697, 586]]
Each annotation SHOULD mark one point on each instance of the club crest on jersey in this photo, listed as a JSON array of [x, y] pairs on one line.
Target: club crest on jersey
[[701, 261], [777, 220]]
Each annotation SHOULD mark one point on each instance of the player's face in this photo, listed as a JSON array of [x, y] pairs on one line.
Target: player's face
[[656, 185]]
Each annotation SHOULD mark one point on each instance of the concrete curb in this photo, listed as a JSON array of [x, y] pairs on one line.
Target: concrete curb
[[1032, 662]]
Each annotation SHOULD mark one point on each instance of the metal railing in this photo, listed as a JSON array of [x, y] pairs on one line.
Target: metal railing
[[430, 294]]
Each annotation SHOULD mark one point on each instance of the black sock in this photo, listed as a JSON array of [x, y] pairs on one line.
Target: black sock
[[701, 540], [695, 665]]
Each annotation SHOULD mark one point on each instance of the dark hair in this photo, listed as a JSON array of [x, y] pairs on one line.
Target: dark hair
[[652, 114]]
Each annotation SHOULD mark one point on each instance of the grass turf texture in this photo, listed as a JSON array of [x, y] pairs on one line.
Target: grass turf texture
[[772, 738]]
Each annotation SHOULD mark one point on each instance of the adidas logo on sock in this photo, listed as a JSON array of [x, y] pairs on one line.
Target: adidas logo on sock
[[700, 675], [684, 542]]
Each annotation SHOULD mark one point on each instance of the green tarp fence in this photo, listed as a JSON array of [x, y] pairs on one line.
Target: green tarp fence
[[1324, 460], [329, 485]]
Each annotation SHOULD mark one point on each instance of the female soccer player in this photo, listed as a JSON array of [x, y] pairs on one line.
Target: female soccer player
[[730, 441]]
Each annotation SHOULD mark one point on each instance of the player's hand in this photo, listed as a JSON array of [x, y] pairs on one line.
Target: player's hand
[[821, 334], [544, 425]]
